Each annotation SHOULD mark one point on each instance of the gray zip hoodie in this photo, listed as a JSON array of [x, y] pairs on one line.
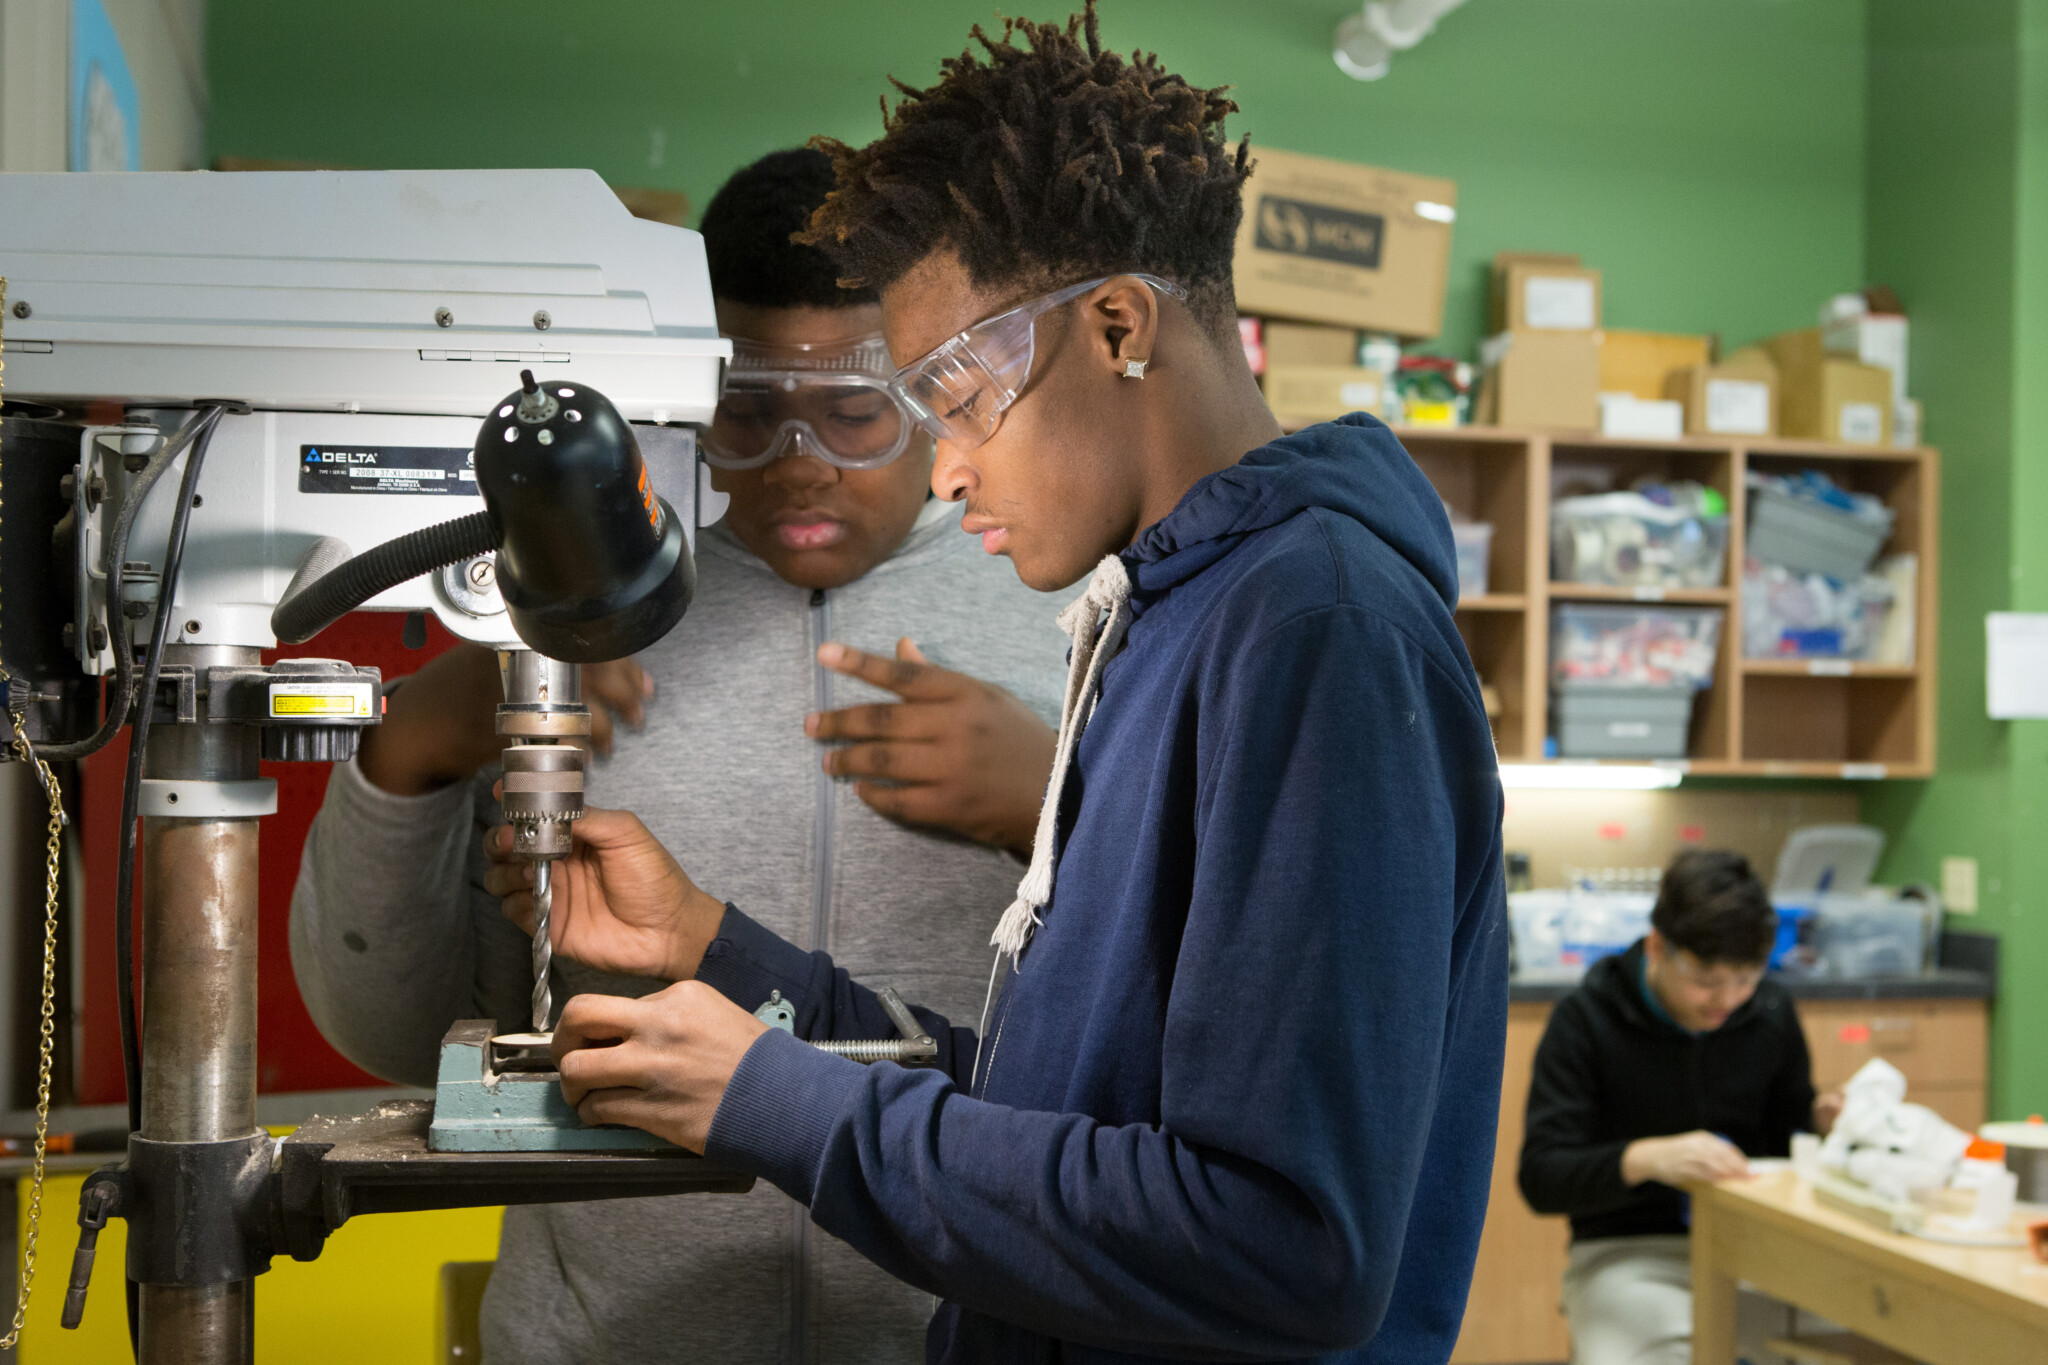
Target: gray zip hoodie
[[393, 938]]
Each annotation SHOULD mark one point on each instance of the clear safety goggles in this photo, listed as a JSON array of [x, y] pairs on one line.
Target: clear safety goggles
[[834, 401], [959, 390]]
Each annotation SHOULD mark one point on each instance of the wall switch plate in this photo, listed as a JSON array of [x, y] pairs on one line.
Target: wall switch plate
[[1959, 885]]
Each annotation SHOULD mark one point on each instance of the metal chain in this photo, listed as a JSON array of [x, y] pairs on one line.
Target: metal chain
[[48, 1030]]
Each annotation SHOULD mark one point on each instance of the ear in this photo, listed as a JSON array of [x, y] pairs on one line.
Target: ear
[[1123, 319], [1654, 948]]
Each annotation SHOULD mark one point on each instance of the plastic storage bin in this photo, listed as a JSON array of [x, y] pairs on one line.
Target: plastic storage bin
[[1621, 722], [1557, 934], [1474, 540], [1795, 615], [1628, 540], [1629, 646], [1810, 526], [1856, 937]]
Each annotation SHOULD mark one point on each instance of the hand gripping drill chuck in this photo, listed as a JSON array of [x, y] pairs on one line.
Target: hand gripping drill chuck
[[545, 721]]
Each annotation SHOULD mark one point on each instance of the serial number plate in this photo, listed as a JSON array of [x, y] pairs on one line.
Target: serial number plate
[[432, 470]]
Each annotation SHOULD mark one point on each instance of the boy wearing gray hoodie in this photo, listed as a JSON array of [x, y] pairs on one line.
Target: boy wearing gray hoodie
[[900, 874]]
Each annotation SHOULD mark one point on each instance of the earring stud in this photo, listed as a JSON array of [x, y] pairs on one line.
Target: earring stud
[[1135, 369]]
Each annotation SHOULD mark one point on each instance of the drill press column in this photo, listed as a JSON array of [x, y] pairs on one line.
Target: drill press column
[[544, 717]]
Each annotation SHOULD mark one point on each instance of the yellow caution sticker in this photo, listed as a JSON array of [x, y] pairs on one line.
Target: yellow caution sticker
[[349, 701]]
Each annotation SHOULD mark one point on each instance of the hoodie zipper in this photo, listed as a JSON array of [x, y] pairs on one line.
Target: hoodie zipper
[[821, 913]]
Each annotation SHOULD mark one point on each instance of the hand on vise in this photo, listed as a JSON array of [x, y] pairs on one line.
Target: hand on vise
[[957, 753], [441, 726], [621, 903], [1687, 1158], [661, 1062]]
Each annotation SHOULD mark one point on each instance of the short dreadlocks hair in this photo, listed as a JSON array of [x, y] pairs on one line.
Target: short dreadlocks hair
[[1052, 159], [747, 229]]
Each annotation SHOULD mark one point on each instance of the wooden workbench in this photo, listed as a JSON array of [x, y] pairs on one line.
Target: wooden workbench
[[1946, 1305]]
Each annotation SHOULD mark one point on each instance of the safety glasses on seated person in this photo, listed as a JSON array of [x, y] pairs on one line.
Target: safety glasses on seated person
[[832, 400], [959, 390]]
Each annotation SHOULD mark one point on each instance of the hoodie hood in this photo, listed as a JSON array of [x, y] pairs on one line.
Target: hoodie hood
[[1353, 466]]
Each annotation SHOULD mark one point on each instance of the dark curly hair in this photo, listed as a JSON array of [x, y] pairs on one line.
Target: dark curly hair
[[747, 231], [1053, 159]]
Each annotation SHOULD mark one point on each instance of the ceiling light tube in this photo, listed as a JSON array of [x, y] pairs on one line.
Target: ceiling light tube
[[1590, 776]]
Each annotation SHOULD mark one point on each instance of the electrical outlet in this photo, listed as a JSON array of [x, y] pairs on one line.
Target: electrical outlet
[[1959, 885]]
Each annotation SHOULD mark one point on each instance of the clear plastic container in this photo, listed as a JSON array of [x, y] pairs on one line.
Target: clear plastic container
[[1647, 647], [1557, 934], [1788, 615], [1474, 540], [1627, 540], [1857, 937]]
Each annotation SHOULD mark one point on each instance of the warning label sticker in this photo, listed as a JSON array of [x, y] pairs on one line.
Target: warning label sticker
[[387, 469], [350, 700]]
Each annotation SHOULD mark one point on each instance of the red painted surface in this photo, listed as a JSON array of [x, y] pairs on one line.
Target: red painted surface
[[290, 1053]]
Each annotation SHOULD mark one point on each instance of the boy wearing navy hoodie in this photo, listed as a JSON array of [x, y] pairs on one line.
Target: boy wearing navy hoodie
[[1235, 1096]]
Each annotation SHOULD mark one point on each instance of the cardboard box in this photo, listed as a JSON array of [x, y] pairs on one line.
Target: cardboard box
[[1322, 393], [1548, 298], [1545, 380], [1309, 343], [1497, 290], [1642, 363], [1873, 338], [1330, 241], [1641, 419], [1738, 397], [1828, 397]]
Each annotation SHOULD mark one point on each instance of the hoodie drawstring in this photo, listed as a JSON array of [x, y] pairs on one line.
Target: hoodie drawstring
[[1096, 640], [1096, 621]]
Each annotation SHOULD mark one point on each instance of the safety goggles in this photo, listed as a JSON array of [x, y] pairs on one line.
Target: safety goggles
[[959, 391], [834, 401]]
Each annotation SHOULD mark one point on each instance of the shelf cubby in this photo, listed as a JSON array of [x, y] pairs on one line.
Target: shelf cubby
[[1760, 717]]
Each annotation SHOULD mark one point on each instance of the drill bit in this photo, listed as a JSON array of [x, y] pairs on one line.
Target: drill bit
[[543, 950]]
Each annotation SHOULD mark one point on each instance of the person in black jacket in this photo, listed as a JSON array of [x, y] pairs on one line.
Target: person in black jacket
[[1672, 1063]]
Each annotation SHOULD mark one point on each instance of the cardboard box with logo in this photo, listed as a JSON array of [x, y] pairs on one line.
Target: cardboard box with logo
[[1738, 397], [1356, 246], [1322, 393], [1830, 397]]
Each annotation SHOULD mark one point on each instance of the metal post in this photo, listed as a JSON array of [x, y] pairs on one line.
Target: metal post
[[199, 1003]]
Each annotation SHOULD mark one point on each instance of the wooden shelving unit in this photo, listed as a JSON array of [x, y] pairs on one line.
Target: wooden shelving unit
[[1761, 717]]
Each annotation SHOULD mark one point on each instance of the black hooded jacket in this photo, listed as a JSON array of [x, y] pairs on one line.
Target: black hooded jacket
[[1610, 1071]]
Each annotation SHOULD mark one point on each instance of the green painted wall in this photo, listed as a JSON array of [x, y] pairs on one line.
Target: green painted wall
[[1707, 154], [1726, 164], [1957, 177]]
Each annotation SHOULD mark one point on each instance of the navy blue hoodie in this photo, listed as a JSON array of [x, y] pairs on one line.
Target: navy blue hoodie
[[1239, 1101]]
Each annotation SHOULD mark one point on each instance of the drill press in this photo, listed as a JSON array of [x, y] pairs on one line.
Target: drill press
[[328, 342]]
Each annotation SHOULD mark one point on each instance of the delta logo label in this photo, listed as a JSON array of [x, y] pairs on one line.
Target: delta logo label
[[315, 455], [1319, 232]]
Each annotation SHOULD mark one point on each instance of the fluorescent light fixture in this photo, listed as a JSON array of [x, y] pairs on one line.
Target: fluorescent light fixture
[[1369, 36], [1633, 777], [1435, 212]]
